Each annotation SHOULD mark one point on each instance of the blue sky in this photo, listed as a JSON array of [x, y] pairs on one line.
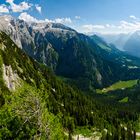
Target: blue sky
[[88, 16]]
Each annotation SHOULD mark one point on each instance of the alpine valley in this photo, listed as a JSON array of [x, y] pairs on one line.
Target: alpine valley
[[58, 84]]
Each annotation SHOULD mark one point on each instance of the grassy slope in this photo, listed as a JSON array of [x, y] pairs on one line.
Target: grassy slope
[[124, 100], [119, 85]]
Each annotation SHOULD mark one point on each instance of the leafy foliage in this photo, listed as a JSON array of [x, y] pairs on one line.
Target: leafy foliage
[[26, 117]]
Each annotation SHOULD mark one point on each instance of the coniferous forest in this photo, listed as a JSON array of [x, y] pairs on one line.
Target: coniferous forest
[[44, 106]]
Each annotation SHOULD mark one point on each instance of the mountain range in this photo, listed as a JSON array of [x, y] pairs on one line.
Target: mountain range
[[128, 42], [88, 62]]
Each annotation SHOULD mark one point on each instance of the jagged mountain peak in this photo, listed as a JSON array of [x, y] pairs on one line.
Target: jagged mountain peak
[[20, 30], [6, 17], [51, 25]]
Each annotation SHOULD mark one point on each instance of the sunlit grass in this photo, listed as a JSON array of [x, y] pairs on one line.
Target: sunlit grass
[[119, 85]]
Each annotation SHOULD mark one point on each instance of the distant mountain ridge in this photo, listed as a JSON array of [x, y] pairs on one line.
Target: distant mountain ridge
[[72, 55], [132, 45], [118, 40], [129, 43]]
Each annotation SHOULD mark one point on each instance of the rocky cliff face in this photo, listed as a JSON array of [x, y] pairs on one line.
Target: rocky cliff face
[[11, 78], [33, 37]]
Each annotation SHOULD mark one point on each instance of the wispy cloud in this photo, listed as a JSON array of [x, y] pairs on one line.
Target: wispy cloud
[[77, 17], [38, 8], [122, 26], [66, 20], [90, 27], [133, 17], [28, 18], [23, 6], [4, 9]]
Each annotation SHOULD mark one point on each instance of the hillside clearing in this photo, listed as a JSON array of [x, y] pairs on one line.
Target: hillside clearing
[[119, 85]]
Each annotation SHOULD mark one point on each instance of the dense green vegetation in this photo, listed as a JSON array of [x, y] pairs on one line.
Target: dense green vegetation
[[44, 107], [25, 116]]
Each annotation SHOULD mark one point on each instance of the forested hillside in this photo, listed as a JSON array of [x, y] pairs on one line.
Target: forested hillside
[[32, 97]]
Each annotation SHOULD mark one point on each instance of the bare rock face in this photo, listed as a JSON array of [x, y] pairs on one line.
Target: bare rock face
[[11, 79], [8, 25], [34, 38], [27, 34]]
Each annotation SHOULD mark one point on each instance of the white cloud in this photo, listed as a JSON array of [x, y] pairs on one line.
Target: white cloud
[[121, 27], [23, 6], [130, 26], [99, 26], [4, 9], [110, 26], [38, 8], [77, 17], [133, 17], [90, 27], [28, 18], [48, 20], [63, 20]]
